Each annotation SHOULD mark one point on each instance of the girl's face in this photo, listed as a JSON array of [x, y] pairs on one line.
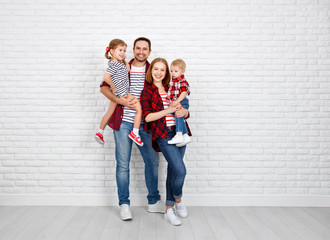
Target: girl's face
[[119, 53], [158, 72]]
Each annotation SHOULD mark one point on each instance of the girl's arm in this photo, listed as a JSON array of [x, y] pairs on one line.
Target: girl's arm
[[107, 79], [127, 65]]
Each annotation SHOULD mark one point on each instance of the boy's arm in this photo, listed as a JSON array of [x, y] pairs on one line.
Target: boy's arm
[[180, 98]]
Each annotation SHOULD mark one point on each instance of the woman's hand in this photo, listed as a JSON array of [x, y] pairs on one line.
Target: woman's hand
[[172, 108], [181, 112]]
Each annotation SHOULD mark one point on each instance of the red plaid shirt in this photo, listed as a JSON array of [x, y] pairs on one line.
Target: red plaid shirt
[[177, 86], [117, 116], [152, 102]]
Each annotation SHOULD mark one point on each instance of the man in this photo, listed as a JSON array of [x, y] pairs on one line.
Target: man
[[121, 122]]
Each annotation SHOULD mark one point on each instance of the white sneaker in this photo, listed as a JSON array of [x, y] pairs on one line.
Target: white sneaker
[[186, 139], [176, 139], [125, 212], [171, 217], [158, 207], [181, 210]]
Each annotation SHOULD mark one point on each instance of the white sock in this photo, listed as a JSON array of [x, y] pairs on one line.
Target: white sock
[[136, 131], [179, 134], [101, 131]]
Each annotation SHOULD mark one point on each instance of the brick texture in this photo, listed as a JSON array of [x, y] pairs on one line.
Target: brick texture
[[260, 94]]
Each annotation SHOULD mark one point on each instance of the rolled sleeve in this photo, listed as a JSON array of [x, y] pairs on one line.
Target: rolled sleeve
[[184, 87], [104, 84]]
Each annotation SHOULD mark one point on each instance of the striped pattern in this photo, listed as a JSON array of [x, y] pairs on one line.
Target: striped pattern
[[170, 120], [137, 78], [119, 76]]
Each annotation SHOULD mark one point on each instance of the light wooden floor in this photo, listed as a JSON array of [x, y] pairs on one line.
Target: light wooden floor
[[103, 223]]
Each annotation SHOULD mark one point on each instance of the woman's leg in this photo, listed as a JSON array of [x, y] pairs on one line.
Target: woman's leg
[[176, 169]]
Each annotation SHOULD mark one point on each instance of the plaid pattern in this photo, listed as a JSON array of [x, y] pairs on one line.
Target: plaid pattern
[[177, 86], [152, 102], [117, 116]]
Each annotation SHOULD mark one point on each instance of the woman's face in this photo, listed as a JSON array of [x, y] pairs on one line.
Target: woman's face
[[158, 72]]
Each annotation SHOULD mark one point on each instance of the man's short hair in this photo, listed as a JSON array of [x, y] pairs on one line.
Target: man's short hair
[[143, 39], [179, 63]]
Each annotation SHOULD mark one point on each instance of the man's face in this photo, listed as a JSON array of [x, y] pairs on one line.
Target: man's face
[[141, 51]]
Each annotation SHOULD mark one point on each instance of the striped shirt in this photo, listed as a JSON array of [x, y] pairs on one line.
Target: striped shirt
[[119, 77], [137, 78], [170, 121]]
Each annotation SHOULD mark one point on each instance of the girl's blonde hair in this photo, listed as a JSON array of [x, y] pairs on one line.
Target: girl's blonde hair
[[167, 77], [113, 45]]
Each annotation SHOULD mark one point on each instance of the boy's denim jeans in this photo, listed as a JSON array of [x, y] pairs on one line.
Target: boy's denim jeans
[[179, 122], [123, 157], [176, 169]]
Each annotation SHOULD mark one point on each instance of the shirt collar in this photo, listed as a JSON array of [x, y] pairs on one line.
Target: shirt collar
[[178, 78]]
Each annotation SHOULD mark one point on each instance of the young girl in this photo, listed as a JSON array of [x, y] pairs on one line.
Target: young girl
[[157, 115], [117, 77]]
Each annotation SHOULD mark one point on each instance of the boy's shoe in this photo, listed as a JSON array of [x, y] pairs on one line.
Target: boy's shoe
[[171, 217], [125, 212], [186, 140], [176, 139], [136, 139], [99, 138], [181, 210], [158, 207]]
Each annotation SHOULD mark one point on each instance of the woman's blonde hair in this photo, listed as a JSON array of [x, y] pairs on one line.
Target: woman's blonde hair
[[167, 77], [113, 45]]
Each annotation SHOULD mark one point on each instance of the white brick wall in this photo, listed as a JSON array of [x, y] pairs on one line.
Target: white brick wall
[[260, 102]]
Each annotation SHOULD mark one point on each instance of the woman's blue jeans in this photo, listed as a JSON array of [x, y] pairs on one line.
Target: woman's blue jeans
[[123, 157], [176, 169]]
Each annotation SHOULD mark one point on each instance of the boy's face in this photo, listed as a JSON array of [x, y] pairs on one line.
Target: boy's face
[[176, 71]]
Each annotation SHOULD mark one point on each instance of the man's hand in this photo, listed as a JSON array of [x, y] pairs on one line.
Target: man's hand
[[123, 101], [132, 101]]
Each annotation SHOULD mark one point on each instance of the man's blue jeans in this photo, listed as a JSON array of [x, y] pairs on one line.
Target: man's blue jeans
[[123, 157], [176, 170], [179, 122]]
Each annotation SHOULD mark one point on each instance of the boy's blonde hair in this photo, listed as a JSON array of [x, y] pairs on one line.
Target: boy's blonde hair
[[179, 63]]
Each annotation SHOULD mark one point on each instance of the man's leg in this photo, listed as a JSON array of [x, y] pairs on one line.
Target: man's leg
[[151, 163], [123, 156]]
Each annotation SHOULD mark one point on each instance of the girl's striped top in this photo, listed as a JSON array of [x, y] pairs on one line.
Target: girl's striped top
[[119, 77]]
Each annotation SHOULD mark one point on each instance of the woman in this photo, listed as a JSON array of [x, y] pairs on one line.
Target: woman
[[157, 114]]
